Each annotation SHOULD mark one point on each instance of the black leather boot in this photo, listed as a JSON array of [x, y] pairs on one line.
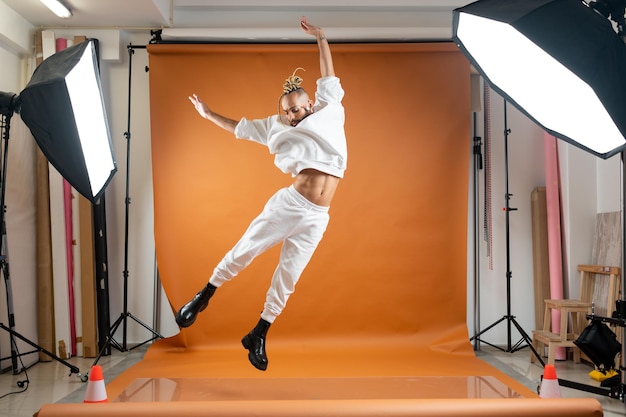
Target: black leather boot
[[188, 313], [255, 343]]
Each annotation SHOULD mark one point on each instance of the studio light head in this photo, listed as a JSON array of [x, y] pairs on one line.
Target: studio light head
[[9, 104], [558, 61], [64, 109]]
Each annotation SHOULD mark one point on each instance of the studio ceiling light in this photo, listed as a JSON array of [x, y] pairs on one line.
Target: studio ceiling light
[[558, 61], [58, 8]]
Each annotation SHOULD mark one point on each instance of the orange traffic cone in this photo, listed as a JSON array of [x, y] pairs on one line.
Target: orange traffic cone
[[96, 391], [549, 384]]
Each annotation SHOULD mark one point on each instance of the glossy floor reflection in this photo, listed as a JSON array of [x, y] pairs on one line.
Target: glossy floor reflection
[[50, 383], [250, 389]]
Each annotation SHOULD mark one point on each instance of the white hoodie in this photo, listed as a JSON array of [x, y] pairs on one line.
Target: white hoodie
[[317, 142]]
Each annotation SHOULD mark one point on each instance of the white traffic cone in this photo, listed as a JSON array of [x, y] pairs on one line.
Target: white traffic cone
[[549, 384], [96, 391]]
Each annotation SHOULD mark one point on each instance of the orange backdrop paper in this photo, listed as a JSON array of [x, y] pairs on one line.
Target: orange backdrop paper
[[385, 293], [393, 261]]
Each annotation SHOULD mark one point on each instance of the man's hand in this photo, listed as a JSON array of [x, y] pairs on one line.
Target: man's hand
[[326, 59], [309, 28], [200, 106], [204, 111]]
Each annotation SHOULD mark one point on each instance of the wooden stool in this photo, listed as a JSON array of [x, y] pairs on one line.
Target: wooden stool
[[599, 286], [563, 338]]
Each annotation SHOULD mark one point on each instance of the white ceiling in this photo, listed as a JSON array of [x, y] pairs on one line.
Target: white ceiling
[[342, 19]]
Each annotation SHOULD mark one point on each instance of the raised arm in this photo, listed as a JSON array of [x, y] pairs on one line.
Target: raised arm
[[204, 111], [326, 59]]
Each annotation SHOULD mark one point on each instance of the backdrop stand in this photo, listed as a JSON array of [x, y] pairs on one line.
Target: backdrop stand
[[123, 319], [5, 122], [509, 318]]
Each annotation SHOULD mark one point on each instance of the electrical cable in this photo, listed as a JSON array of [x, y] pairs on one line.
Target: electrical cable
[[24, 383]]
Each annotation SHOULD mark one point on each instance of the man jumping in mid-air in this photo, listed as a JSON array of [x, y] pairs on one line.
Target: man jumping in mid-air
[[308, 141]]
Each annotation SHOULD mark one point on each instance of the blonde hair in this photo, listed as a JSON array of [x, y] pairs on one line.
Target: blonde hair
[[292, 84]]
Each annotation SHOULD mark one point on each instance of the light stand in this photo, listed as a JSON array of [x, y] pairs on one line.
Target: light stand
[[64, 109], [509, 318], [5, 122], [123, 319]]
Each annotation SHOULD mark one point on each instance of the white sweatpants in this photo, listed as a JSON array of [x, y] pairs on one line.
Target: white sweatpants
[[289, 218]]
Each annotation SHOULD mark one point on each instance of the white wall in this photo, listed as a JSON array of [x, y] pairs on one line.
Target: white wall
[[579, 199], [608, 178]]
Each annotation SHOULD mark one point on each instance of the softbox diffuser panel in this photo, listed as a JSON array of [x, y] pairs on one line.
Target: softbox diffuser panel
[[71, 131], [558, 61]]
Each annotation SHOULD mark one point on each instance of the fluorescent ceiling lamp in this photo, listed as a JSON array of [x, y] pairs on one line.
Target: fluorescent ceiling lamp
[[558, 61], [64, 109], [58, 8]]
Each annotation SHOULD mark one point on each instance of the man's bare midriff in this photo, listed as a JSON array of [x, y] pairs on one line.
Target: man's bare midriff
[[317, 187]]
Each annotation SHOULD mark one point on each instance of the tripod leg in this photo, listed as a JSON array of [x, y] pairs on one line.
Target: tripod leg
[[155, 334], [528, 341], [476, 336], [110, 340], [73, 369]]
